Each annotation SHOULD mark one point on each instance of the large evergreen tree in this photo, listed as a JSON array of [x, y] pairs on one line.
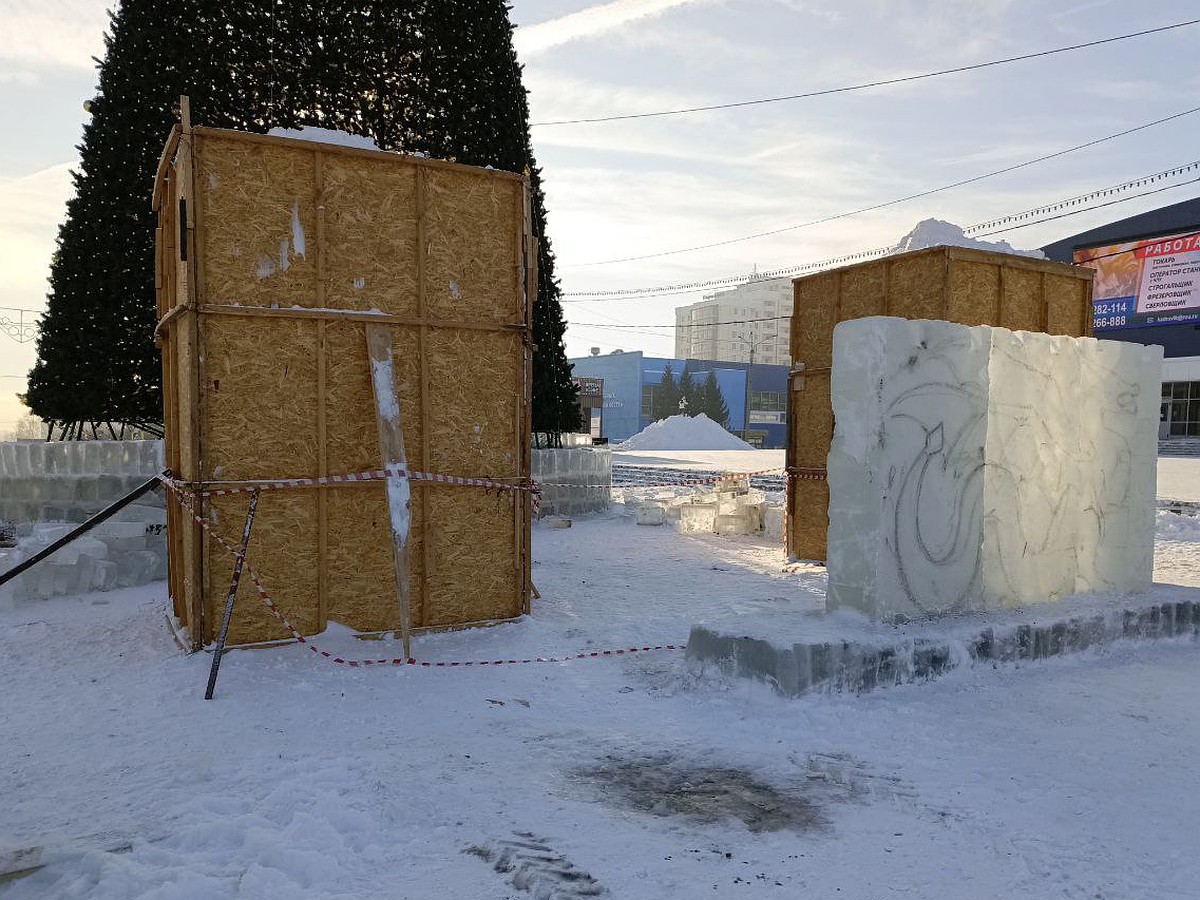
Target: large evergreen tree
[[434, 76]]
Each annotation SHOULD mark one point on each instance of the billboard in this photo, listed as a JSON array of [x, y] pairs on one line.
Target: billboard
[[1148, 282]]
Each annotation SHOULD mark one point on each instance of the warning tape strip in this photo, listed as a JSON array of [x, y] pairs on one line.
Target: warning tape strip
[[277, 484], [185, 502], [724, 476]]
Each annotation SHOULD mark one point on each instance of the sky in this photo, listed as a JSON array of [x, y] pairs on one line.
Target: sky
[[646, 186]]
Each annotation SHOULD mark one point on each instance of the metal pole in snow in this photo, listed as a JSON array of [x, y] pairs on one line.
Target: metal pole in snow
[[233, 588]]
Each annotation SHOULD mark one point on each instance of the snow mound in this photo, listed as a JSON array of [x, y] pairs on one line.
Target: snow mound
[[325, 136], [936, 233], [684, 433]]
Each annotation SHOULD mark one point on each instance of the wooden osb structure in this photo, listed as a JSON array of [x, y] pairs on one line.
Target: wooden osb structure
[[953, 284], [274, 256]]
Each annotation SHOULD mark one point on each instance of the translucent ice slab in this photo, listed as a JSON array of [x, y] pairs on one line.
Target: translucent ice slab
[[976, 467]]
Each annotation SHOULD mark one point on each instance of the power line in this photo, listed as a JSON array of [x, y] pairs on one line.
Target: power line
[[695, 287], [690, 325], [865, 85], [1076, 212], [1088, 197], [885, 204]]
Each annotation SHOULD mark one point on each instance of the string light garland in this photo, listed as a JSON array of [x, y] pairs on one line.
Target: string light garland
[[1078, 204]]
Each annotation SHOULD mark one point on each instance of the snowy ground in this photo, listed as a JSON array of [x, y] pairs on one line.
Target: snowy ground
[[1068, 778]]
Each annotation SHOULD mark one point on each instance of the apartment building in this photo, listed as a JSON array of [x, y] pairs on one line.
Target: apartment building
[[752, 318]]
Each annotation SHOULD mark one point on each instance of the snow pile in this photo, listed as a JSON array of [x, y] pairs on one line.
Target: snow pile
[[684, 433], [936, 233], [1172, 526], [325, 136]]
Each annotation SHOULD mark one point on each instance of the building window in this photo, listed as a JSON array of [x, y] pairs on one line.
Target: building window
[[648, 391], [1181, 408], [768, 401]]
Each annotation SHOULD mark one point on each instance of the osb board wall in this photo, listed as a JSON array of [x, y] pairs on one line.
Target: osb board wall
[[298, 246], [971, 287]]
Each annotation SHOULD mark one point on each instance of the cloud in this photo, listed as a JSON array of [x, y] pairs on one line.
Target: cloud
[[52, 34], [533, 39], [31, 208]]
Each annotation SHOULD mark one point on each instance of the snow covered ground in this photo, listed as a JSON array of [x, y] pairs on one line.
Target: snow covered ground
[[1067, 778]]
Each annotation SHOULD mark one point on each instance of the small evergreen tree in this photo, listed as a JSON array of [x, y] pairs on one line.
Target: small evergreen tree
[[712, 401], [689, 391], [665, 400]]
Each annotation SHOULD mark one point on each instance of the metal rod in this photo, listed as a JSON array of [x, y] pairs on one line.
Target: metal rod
[[87, 526], [233, 589]]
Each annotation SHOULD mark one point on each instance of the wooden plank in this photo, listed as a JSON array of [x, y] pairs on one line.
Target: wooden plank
[[999, 319], [531, 293], [164, 162], [391, 451], [190, 462], [322, 424], [363, 152], [522, 511], [426, 586], [337, 315]]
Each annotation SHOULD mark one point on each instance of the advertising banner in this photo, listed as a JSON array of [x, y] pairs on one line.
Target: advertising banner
[[1147, 282]]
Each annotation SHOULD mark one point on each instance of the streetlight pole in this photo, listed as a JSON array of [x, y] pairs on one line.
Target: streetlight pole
[[753, 345]]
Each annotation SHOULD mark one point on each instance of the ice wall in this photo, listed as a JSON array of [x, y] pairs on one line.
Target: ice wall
[[68, 481], [975, 468]]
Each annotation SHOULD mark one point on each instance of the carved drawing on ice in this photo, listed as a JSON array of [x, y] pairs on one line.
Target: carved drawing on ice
[[979, 467]]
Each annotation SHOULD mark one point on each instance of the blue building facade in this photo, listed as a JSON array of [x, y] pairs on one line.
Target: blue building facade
[[630, 379]]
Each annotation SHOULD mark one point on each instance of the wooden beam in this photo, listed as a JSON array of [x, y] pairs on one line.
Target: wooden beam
[[322, 391], [362, 152], [391, 451], [190, 463], [425, 586], [339, 315]]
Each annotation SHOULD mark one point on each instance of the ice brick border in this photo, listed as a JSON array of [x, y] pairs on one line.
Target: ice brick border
[[863, 661]]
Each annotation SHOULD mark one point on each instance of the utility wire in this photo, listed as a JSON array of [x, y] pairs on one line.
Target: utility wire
[[865, 85], [690, 325], [1076, 212], [694, 287], [897, 201]]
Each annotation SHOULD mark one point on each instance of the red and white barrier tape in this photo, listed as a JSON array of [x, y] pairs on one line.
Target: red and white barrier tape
[[688, 482], [185, 502], [277, 484]]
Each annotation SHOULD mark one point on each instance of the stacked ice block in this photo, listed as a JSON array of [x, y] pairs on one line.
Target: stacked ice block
[[976, 467]]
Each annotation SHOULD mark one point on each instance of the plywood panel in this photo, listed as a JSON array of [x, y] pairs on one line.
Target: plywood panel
[[362, 595], [811, 520], [472, 554], [1023, 309], [469, 271], [260, 212], [917, 286], [814, 422], [863, 291], [352, 440], [1067, 312], [371, 226], [476, 388], [260, 398], [974, 293], [283, 552], [813, 319]]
